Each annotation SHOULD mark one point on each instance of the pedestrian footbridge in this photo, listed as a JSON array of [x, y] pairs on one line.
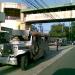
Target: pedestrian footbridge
[[64, 12]]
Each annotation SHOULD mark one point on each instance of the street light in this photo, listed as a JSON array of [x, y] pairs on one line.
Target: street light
[[41, 27]]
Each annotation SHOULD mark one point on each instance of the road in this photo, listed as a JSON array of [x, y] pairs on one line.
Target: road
[[64, 66], [38, 67]]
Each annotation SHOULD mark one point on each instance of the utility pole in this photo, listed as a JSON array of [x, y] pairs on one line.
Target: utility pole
[[41, 27]]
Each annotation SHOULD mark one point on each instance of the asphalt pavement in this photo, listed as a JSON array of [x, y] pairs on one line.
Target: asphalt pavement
[[65, 65]]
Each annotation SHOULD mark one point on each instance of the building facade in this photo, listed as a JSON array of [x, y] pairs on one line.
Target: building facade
[[13, 15]]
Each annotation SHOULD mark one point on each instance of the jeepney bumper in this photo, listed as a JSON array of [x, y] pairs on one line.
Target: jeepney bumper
[[8, 60]]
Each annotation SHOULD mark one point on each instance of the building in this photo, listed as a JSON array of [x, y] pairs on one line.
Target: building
[[13, 16]]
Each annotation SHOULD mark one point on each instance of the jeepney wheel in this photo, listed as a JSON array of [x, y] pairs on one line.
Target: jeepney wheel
[[24, 62], [35, 47], [35, 50]]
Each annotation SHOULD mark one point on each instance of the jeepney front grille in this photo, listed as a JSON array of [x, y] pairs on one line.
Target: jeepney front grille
[[7, 50]]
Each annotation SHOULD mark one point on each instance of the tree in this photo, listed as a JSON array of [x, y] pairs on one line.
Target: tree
[[57, 30], [67, 33], [72, 30]]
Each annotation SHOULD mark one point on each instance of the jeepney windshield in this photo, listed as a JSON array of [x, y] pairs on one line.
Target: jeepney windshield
[[21, 38], [21, 35]]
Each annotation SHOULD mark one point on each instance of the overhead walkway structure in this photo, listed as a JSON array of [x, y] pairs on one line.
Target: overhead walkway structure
[[55, 13]]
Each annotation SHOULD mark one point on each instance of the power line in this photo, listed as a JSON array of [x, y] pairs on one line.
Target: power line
[[32, 4], [44, 3], [48, 6], [27, 4], [38, 3], [35, 6]]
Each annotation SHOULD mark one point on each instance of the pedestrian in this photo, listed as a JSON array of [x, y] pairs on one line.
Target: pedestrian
[[57, 41]]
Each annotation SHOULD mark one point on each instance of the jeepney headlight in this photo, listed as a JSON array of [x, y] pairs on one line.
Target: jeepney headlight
[[15, 47]]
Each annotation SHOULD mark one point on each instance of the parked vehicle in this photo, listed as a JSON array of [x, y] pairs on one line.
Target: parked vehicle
[[21, 47]]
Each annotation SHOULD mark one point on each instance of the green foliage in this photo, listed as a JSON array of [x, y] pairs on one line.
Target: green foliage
[[66, 29], [72, 30], [59, 30]]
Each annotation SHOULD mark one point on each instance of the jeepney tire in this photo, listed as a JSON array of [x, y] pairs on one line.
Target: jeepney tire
[[24, 62], [35, 50]]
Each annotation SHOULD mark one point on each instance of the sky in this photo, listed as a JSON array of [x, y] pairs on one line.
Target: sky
[[46, 26], [47, 1]]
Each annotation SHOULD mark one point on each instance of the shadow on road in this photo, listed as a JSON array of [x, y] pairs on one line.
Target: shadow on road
[[48, 55], [65, 71], [8, 70]]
